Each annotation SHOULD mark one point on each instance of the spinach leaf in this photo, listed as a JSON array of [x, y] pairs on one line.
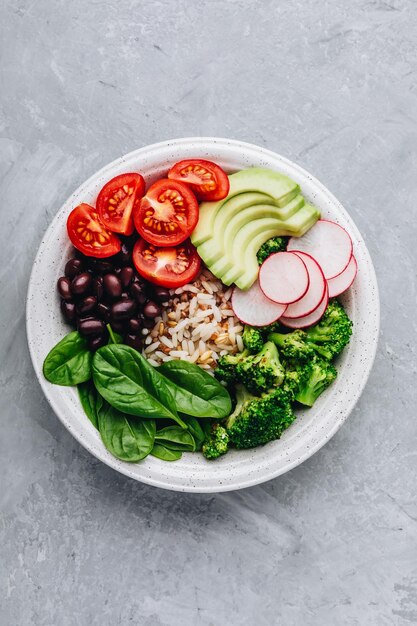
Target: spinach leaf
[[127, 438], [113, 336], [163, 453], [69, 362], [175, 438], [127, 381], [196, 392], [194, 427], [91, 401]]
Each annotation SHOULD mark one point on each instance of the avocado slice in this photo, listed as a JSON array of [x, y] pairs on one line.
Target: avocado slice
[[278, 186], [241, 266], [233, 216]]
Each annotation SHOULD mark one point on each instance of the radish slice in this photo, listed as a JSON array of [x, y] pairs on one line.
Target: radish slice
[[308, 320], [328, 243], [283, 277], [315, 292], [254, 308], [339, 284]]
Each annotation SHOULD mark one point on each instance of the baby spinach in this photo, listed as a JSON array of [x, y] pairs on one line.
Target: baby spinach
[[69, 362], [91, 401], [127, 381], [175, 438], [194, 427], [195, 391], [163, 453], [113, 336], [127, 438]]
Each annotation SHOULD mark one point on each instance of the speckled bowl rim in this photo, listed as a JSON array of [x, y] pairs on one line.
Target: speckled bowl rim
[[238, 469]]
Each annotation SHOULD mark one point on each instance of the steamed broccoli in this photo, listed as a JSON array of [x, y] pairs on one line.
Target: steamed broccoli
[[258, 372], [261, 371], [332, 333], [321, 374], [296, 375], [257, 420], [216, 442], [327, 338], [293, 345], [276, 244], [226, 368], [252, 338]]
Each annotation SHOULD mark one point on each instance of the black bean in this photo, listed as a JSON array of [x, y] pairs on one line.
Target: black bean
[[81, 284], [90, 326], [118, 327], [68, 310], [125, 296], [87, 305], [151, 309], [147, 322], [126, 276], [134, 341], [73, 267], [123, 309], [125, 255], [97, 342], [138, 292], [103, 311], [134, 325], [101, 266], [97, 287], [112, 286], [161, 294], [64, 288]]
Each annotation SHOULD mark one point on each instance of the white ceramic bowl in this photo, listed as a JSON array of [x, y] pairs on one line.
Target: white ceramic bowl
[[238, 469]]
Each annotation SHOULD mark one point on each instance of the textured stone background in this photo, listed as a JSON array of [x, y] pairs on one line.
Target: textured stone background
[[330, 84]]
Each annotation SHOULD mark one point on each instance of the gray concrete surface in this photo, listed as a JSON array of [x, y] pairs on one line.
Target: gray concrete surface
[[332, 85]]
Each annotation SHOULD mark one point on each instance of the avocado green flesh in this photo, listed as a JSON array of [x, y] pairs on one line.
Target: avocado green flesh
[[242, 267], [278, 186], [229, 223]]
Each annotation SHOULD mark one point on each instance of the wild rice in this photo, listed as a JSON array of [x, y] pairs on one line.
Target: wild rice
[[197, 325]]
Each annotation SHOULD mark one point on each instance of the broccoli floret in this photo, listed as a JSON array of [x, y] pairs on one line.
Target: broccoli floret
[[216, 443], [321, 374], [257, 420], [276, 244], [296, 375], [293, 345], [252, 338], [332, 333], [226, 368], [261, 371]]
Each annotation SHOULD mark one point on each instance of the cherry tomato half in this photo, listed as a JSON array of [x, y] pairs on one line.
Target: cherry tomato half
[[118, 199], [167, 214], [167, 267], [88, 233], [207, 180]]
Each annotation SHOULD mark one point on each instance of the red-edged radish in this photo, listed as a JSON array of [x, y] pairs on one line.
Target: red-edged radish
[[339, 284], [283, 277], [308, 320], [328, 243], [315, 292], [254, 308]]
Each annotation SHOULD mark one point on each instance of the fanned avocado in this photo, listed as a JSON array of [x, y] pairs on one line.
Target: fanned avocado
[[242, 265], [278, 186], [230, 220]]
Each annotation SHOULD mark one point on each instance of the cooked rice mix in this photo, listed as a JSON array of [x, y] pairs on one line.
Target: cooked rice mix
[[198, 325]]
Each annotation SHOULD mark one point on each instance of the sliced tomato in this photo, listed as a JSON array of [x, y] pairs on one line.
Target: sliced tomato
[[168, 267], [88, 233], [167, 214], [118, 199], [208, 180]]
